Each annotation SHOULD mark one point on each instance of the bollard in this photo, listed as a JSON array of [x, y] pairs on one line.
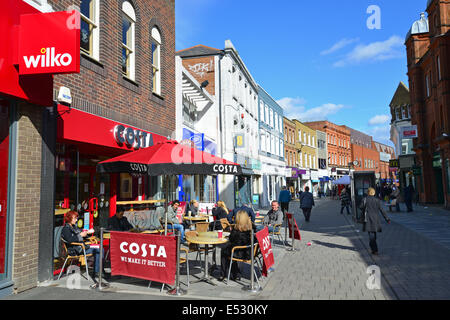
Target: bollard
[[252, 288], [177, 291], [285, 229]]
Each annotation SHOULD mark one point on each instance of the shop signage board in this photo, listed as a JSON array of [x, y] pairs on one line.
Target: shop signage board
[[394, 163], [49, 43], [265, 246], [408, 132], [144, 256], [37, 45]]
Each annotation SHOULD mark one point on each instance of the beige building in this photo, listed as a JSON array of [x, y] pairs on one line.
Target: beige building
[[306, 143]]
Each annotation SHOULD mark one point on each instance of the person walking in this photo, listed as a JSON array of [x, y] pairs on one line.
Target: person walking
[[395, 197], [409, 193], [371, 207], [306, 203], [284, 198], [345, 201]]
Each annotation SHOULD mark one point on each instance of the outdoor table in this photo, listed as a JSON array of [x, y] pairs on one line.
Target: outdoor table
[[206, 239], [196, 218]]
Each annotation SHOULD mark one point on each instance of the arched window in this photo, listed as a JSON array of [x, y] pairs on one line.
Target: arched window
[[89, 28], [128, 40], [156, 60]]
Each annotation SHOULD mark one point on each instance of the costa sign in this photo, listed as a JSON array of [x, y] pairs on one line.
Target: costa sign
[[143, 256], [225, 168], [49, 43], [132, 138], [138, 167]]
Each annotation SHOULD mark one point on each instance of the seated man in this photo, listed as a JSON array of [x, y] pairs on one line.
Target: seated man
[[172, 218], [247, 208], [118, 222], [273, 217]]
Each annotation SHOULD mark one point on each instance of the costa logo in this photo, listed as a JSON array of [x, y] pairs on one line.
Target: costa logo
[[225, 168], [138, 167], [132, 138], [135, 249], [48, 59]]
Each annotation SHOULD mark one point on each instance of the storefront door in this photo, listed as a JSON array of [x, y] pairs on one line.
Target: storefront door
[[4, 160]]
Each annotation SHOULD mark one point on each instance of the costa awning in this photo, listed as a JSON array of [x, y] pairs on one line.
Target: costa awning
[[169, 158]]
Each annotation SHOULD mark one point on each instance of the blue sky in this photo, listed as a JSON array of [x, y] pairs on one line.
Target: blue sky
[[319, 59]]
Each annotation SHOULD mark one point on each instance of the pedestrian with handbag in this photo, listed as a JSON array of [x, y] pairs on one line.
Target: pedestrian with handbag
[[306, 203], [371, 208]]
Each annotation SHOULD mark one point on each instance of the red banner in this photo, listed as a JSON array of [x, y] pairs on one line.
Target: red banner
[[266, 249], [296, 229], [144, 256]]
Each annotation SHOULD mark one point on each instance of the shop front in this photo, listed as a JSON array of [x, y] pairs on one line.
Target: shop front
[[36, 46], [83, 140], [203, 188]]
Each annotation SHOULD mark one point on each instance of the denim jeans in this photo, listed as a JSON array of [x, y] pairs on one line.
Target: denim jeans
[[260, 227], [177, 227], [96, 253], [347, 207], [373, 241]]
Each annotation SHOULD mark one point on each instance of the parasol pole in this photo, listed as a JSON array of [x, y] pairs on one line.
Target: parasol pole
[[166, 203]]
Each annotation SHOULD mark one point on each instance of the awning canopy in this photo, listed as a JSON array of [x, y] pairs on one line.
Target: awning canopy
[[344, 180], [169, 158]]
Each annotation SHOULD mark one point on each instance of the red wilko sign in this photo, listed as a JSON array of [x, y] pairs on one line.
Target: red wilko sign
[[266, 249], [144, 256], [49, 43]]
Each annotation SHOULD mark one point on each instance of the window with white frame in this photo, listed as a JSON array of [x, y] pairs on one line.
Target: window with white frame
[[261, 111], [263, 141], [89, 28], [266, 108], [271, 117], [272, 144], [156, 60], [128, 40]]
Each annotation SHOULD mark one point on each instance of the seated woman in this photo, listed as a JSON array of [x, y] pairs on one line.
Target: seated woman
[[71, 233], [219, 212], [193, 207], [239, 236]]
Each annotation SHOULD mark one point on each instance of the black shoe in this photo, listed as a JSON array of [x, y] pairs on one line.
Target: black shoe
[[221, 278], [375, 253]]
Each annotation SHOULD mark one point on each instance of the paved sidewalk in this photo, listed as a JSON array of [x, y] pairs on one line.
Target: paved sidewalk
[[333, 267], [414, 264]]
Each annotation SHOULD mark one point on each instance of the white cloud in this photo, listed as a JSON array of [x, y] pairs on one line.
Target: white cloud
[[294, 109], [339, 45], [376, 51], [379, 119], [381, 134]]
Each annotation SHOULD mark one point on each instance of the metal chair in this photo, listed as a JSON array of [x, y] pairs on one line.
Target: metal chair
[[276, 232], [182, 261], [255, 253], [82, 257]]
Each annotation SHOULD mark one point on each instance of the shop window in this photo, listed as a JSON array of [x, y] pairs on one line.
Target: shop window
[[156, 60], [128, 40], [89, 28]]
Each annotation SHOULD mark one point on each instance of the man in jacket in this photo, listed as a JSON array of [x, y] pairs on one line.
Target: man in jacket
[[395, 195], [247, 208], [284, 198], [306, 203], [172, 218], [274, 217], [118, 222]]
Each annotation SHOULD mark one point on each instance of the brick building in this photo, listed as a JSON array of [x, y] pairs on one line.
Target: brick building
[[362, 151], [290, 153], [338, 146], [386, 153], [126, 85], [427, 47]]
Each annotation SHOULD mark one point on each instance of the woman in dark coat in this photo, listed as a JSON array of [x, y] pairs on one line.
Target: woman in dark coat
[[345, 201], [239, 236], [371, 206]]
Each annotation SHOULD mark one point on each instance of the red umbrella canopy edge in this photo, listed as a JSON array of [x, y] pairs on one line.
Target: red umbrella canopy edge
[[169, 158]]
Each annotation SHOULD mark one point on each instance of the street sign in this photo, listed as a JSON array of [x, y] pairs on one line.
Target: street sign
[[239, 141]]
